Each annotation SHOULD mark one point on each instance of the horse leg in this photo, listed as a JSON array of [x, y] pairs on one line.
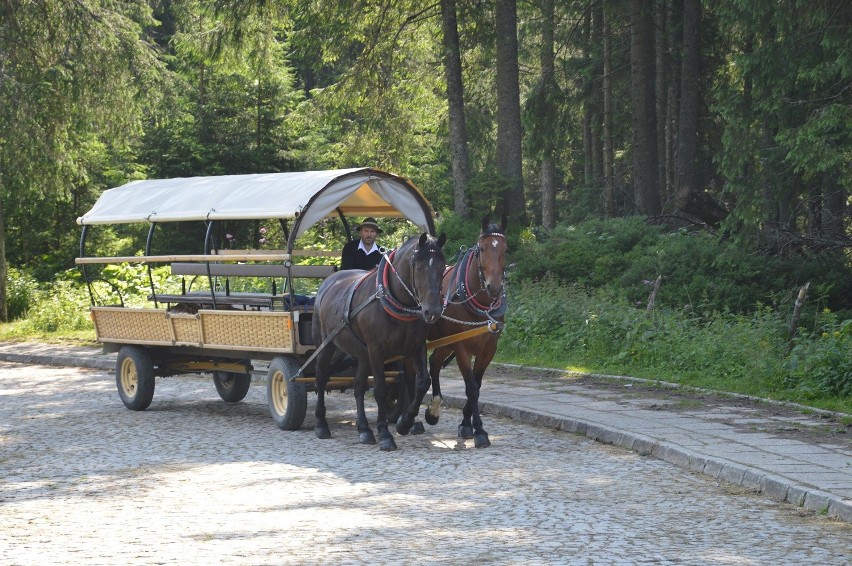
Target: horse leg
[[410, 370], [386, 441], [463, 360], [480, 436], [436, 361], [422, 384], [321, 381], [365, 433]]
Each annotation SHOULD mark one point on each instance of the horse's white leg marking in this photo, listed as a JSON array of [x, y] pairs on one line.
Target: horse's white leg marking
[[435, 406]]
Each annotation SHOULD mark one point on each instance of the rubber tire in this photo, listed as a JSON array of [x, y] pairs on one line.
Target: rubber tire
[[134, 377], [287, 400], [232, 387]]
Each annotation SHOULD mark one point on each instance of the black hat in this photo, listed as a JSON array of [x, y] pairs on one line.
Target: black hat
[[369, 222]]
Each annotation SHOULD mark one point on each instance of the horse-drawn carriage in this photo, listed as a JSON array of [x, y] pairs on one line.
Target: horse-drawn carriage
[[212, 324]]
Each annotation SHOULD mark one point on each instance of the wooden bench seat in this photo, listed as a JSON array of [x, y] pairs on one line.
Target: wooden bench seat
[[253, 270], [266, 301]]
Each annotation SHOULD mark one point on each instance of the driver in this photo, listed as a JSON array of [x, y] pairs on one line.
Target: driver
[[363, 253]]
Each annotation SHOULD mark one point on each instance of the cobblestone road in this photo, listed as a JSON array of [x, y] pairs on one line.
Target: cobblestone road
[[193, 480]]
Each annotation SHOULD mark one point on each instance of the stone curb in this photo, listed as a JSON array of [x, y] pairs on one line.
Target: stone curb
[[774, 487], [54, 360]]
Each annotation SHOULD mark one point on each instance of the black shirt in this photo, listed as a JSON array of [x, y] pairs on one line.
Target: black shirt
[[354, 257]]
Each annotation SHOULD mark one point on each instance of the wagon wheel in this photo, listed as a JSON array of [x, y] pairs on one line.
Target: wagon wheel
[[287, 400], [232, 387], [134, 377]]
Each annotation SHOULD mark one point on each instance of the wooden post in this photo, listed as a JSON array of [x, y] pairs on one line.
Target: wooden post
[[652, 297], [794, 322]]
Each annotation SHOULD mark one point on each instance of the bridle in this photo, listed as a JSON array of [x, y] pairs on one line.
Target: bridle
[[478, 254]]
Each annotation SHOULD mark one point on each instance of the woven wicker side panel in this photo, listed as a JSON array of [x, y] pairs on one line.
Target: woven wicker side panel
[[251, 330], [131, 325], [186, 328]]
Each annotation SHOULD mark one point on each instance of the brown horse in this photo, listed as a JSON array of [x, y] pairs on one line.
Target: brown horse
[[476, 297], [373, 316]]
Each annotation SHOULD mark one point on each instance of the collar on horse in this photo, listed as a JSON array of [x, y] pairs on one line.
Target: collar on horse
[[462, 284], [389, 303]]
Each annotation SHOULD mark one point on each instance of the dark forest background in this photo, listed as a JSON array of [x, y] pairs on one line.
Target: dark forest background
[[730, 117]]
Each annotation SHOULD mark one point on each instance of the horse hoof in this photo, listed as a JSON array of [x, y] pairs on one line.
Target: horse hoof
[[402, 427], [322, 432], [418, 428], [387, 444], [481, 440], [366, 437], [431, 419], [465, 431]]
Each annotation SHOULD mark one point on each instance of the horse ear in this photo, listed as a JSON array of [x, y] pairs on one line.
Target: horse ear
[[423, 238], [442, 239], [485, 220], [503, 222]]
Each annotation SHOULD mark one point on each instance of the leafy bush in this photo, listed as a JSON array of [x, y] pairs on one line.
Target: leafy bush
[[63, 306], [821, 361], [21, 290], [553, 324], [700, 271]]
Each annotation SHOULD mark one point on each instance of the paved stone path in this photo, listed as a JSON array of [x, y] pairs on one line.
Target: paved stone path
[[745, 444], [193, 480]]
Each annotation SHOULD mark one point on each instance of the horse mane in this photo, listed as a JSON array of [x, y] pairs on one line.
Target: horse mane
[[493, 228]]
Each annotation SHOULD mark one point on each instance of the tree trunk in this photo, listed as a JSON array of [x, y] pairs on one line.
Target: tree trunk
[[4, 267], [459, 161], [833, 206], [588, 103], [675, 41], [661, 89], [608, 154], [509, 156], [597, 107], [548, 169], [686, 188], [645, 181]]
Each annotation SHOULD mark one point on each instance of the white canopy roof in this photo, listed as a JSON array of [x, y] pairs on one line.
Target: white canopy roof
[[306, 196]]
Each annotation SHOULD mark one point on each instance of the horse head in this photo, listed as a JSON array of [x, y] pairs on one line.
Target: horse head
[[491, 251], [427, 265]]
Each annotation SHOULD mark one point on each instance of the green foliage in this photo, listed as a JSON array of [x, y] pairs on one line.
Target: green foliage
[[783, 98], [556, 325], [21, 291], [820, 363], [62, 306], [461, 234], [701, 273]]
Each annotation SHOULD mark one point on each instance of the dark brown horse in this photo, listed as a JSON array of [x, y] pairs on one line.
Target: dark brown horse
[[476, 297], [373, 316]]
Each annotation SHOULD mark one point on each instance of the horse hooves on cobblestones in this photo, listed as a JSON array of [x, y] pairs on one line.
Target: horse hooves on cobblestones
[[431, 419], [465, 431], [481, 440], [387, 444], [418, 428], [322, 432], [366, 437]]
